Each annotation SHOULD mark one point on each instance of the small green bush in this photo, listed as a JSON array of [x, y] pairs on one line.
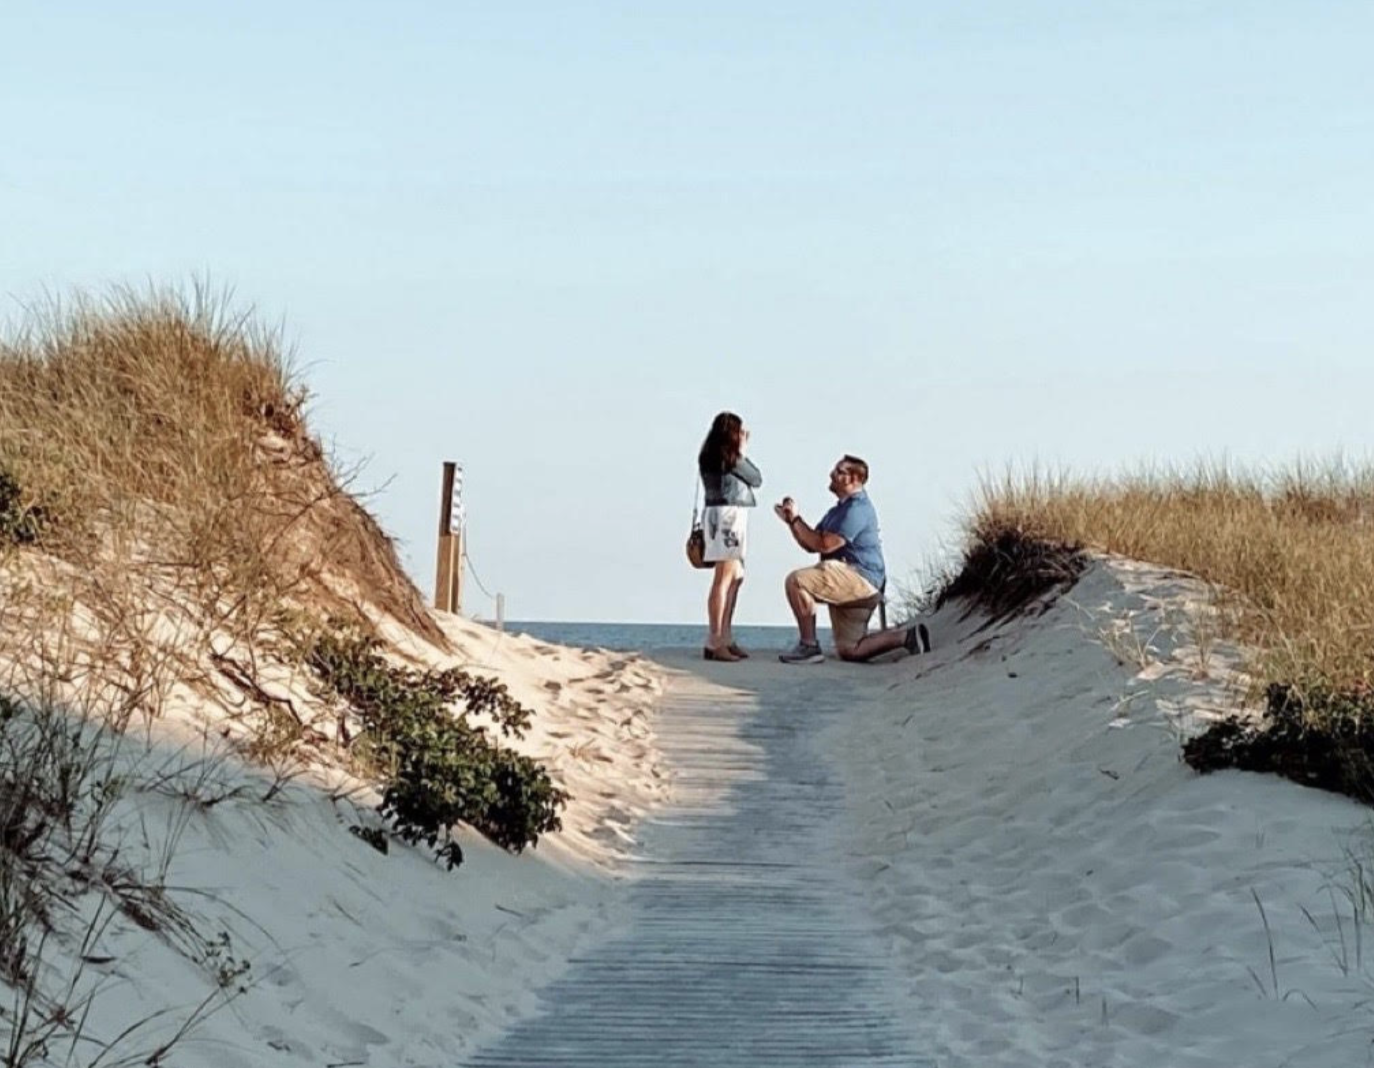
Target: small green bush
[[20, 524], [1320, 737], [439, 767]]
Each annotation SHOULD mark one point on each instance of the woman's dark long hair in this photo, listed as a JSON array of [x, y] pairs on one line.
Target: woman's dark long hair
[[721, 449]]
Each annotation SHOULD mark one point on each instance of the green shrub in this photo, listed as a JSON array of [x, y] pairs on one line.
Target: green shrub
[[20, 523], [1319, 737], [439, 768]]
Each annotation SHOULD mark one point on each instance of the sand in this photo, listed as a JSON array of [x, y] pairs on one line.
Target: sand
[[354, 957], [1061, 890], [1040, 878]]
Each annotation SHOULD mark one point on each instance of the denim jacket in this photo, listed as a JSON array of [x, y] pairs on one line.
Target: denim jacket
[[735, 486]]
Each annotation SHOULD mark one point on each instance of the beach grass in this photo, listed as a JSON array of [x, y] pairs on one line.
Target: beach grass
[[1288, 554], [157, 441]]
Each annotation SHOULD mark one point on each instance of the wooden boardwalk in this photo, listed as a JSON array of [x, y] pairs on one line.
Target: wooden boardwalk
[[742, 943]]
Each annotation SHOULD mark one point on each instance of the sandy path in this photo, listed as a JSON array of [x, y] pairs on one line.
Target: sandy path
[[742, 941], [990, 857]]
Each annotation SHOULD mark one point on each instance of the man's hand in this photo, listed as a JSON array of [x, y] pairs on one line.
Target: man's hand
[[786, 510]]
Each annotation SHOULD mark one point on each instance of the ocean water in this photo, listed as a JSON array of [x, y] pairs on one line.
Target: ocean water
[[646, 637]]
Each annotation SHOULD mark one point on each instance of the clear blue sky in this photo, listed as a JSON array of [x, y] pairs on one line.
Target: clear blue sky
[[551, 240]]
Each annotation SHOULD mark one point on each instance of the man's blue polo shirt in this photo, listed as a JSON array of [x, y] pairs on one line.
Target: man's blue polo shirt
[[856, 520]]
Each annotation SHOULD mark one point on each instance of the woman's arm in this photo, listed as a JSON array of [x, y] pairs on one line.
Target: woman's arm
[[747, 473]]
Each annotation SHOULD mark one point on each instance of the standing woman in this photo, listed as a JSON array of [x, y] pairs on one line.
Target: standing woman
[[729, 481]]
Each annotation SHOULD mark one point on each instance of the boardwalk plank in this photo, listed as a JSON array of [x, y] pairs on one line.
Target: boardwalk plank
[[742, 945]]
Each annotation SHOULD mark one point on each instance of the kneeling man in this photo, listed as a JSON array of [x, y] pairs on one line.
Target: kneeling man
[[849, 577]]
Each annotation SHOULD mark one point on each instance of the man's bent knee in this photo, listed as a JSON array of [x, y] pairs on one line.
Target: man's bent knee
[[849, 626]]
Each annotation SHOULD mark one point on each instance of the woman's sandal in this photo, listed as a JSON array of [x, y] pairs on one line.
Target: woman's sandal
[[725, 656], [739, 653]]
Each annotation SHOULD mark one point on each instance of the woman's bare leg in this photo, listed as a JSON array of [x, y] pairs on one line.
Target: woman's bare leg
[[731, 600], [718, 603]]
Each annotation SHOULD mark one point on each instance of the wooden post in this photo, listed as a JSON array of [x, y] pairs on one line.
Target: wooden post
[[443, 579], [500, 611]]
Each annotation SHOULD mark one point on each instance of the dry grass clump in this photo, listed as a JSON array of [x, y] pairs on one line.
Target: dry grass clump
[[1291, 553], [157, 443], [1003, 570], [80, 859], [105, 408]]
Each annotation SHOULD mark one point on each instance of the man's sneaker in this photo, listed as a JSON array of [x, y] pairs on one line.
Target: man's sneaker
[[801, 653], [917, 639]]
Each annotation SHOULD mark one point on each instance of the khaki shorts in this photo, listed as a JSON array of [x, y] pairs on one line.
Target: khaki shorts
[[850, 597]]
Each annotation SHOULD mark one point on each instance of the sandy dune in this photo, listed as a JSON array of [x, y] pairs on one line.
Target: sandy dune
[[1010, 862], [1060, 889], [1019, 869], [332, 952]]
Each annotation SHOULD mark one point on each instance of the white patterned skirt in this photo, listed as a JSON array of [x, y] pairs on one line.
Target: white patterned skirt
[[727, 529]]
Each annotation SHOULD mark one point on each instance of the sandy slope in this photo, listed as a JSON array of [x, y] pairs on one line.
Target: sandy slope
[[1060, 889], [356, 957], [1051, 885]]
